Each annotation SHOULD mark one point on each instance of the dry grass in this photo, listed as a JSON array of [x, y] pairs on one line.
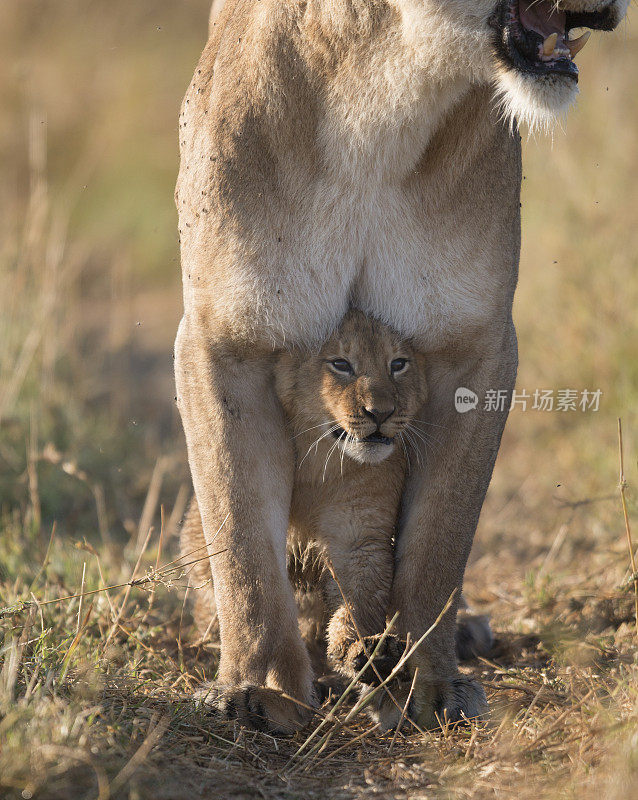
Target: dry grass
[[89, 714], [94, 699]]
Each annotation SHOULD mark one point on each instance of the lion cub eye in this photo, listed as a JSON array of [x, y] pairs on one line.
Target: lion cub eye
[[342, 366], [398, 365]]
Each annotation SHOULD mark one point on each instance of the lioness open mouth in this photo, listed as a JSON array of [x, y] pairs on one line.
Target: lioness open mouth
[[533, 35]]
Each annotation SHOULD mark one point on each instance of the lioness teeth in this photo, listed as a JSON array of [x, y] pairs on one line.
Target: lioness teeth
[[576, 45], [549, 45], [566, 49]]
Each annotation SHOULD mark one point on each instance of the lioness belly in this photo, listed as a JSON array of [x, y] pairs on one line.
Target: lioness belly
[[433, 270], [427, 281], [424, 281]]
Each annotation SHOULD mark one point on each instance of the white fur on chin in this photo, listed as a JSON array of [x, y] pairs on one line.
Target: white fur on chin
[[537, 102]]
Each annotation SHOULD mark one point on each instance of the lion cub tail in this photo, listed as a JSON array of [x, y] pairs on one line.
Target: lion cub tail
[[474, 635], [194, 553]]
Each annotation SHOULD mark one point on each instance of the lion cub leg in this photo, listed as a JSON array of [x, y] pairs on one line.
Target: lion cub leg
[[362, 562]]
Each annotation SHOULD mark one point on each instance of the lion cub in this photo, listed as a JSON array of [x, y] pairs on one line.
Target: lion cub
[[350, 409]]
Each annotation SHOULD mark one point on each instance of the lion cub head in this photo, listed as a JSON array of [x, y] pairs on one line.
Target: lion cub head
[[360, 392]]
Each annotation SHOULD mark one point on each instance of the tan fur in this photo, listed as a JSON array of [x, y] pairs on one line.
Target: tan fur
[[215, 10], [334, 154]]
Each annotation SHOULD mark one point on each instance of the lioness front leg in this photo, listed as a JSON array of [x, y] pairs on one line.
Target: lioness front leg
[[242, 466], [442, 503]]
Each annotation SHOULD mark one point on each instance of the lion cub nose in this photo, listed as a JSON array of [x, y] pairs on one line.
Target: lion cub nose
[[378, 415]]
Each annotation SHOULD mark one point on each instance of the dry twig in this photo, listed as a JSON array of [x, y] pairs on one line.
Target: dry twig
[[623, 500]]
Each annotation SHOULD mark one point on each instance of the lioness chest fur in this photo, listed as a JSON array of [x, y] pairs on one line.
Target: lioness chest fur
[[330, 104]]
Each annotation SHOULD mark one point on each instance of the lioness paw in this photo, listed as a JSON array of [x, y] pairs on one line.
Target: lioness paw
[[256, 707], [459, 700], [464, 700]]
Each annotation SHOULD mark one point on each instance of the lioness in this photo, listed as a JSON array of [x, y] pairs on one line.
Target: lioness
[[350, 412], [352, 153]]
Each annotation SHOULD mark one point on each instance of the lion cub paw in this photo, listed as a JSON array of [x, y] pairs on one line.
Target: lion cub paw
[[255, 707], [352, 656]]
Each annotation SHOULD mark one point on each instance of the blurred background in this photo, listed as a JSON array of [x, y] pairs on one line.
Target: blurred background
[[90, 299], [89, 271]]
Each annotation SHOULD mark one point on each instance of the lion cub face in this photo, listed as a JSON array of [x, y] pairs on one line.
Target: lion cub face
[[360, 392]]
